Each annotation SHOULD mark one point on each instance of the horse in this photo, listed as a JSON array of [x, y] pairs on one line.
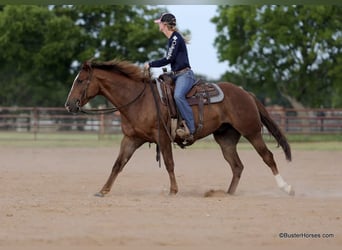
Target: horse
[[125, 85]]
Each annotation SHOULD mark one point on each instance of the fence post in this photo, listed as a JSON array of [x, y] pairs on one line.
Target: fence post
[[35, 122], [102, 126]]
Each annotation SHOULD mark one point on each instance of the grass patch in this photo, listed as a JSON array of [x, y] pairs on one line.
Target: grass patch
[[23, 139], [315, 138], [58, 140]]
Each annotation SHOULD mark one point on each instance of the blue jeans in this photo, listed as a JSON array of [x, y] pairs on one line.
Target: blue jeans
[[184, 83]]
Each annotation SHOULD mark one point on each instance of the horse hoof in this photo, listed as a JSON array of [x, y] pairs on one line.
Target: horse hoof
[[291, 191], [99, 194], [173, 192]]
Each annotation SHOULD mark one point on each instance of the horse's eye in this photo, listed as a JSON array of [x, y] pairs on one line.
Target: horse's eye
[[79, 81]]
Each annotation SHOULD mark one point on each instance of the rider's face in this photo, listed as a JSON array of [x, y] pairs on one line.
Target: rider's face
[[162, 26]]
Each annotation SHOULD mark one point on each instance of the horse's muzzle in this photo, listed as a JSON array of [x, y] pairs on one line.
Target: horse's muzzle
[[73, 107]]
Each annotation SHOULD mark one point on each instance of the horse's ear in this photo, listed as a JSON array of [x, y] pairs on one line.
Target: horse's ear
[[86, 65]]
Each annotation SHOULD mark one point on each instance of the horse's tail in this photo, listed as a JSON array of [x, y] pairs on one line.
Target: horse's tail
[[273, 128]]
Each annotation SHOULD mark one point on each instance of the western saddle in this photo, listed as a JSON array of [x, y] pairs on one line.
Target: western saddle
[[200, 94]]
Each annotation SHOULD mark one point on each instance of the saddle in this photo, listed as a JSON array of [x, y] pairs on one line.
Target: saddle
[[200, 94]]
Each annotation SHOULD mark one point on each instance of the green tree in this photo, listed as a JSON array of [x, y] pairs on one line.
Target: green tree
[[119, 31], [37, 49], [284, 51], [43, 46]]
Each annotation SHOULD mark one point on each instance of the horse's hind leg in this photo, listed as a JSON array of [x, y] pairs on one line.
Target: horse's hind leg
[[127, 148], [228, 139], [258, 143]]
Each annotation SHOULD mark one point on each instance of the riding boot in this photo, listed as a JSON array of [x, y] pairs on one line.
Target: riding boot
[[183, 132]]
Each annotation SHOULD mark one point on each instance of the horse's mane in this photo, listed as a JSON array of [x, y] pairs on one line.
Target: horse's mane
[[126, 68]]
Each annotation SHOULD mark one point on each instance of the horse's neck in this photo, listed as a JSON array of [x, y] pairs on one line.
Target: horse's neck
[[123, 92]]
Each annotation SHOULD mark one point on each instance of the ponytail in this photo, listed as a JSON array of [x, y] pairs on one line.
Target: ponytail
[[186, 38]]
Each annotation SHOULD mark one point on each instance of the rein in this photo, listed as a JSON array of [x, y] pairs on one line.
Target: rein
[[99, 111], [160, 120]]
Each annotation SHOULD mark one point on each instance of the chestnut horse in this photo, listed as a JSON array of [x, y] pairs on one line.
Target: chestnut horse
[[126, 86]]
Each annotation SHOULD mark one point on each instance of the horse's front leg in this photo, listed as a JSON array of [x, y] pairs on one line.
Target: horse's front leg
[[127, 148], [166, 151]]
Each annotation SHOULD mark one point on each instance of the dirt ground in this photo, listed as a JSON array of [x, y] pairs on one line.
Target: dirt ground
[[47, 201]]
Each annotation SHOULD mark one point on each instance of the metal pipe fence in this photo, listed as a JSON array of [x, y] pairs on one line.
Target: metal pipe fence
[[37, 120]]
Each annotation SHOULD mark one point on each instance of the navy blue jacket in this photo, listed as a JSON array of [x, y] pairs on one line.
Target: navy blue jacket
[[177, 54]]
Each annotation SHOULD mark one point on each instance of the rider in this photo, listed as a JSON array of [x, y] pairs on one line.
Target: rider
[[177, 56]]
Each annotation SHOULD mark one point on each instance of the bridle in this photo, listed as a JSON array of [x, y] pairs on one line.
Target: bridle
[[106, 110]]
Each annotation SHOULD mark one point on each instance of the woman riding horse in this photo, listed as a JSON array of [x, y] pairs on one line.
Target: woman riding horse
[[124, 85]]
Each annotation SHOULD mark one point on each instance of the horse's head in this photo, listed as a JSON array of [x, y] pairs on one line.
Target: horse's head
[[82, 90]]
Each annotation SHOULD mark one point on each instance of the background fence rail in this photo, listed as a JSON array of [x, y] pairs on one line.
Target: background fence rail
[[37, 120]]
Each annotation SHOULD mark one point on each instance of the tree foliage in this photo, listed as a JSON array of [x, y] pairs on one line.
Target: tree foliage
[[43, 46], [120, 31], [36, 50], [284, 51]]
